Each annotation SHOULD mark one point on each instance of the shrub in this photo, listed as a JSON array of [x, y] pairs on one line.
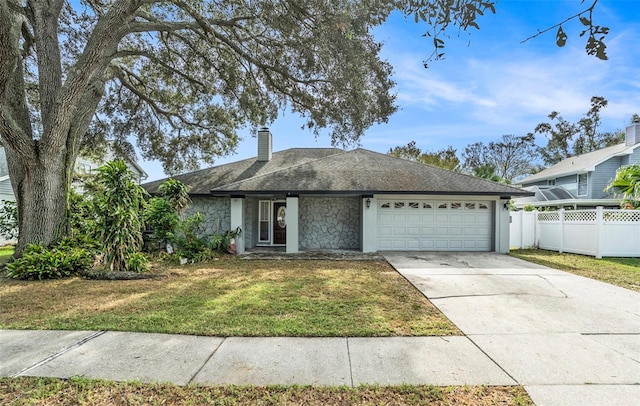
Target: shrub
[[138, 263], [39, 262], [189, 239], [118, 208], [8, 219], [163, 220]]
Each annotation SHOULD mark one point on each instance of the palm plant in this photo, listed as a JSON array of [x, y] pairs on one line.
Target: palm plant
[[627, 184]]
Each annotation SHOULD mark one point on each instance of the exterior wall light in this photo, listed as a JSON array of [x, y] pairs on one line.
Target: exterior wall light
[[368, 201]]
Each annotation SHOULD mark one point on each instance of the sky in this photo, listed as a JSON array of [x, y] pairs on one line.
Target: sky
[[489, 83]]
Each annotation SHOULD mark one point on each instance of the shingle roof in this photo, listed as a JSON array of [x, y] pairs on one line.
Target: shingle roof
[[579, 163], [305, 171], [202, 181]]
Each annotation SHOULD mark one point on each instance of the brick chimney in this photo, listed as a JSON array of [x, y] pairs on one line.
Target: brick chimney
[[264, 145], [632, 136]]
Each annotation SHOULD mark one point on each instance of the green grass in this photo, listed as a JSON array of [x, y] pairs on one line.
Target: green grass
[[6, 253], [623, 272], [233, 297], [52, 392]]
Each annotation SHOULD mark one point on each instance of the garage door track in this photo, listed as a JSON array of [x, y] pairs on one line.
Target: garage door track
[[567, 339]]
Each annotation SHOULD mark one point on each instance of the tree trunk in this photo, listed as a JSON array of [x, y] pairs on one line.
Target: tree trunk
[[41, 190]]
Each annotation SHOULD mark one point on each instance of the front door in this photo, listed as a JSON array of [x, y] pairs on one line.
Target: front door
[[279, 223]]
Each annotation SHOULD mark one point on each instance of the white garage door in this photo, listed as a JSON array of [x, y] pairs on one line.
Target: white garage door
[[434, 225]]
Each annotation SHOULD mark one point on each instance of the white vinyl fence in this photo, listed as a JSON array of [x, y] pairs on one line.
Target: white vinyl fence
[[599, 233]]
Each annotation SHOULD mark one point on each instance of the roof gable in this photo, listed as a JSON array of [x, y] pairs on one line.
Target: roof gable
[[580, 163]]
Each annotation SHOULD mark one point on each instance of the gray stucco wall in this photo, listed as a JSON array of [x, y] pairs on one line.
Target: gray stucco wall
[[329, 223], [216, 211]]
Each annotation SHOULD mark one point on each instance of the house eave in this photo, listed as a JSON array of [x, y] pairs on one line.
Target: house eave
[[221, 193]]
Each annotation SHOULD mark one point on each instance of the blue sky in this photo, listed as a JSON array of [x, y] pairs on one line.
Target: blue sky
[[490, 84]]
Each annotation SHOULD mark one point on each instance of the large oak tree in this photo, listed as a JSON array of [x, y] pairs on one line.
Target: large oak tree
[[179, 76]]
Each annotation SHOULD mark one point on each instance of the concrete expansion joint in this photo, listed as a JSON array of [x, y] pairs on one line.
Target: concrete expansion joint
[[349, 359], [61, 352], [206, 361], [492, 360]]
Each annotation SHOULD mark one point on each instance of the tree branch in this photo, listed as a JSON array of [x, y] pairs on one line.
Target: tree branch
[[540, 32]]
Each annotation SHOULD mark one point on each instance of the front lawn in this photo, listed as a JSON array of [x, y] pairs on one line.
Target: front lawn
[[232, 297], [624, 272], [6, 252], [49, 391]]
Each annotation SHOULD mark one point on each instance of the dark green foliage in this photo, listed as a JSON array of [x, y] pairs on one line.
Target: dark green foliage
[[39, 262], [566, 139], [504, 160], [176, 194], [8, 219], [161, 217], [82, 219], [137, 262], [190, 240], [118, 209], [444, 158]]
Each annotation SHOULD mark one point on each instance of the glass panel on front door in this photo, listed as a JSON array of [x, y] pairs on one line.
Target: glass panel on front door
[[280, 224]]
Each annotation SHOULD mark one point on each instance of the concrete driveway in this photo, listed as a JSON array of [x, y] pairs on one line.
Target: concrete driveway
[[567, 339]]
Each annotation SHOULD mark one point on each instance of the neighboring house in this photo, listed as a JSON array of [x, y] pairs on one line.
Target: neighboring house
[[325, 198], [579, 181], [89, 165], [83, 166]]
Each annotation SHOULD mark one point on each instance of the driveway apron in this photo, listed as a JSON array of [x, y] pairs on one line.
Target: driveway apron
[[567, 339]]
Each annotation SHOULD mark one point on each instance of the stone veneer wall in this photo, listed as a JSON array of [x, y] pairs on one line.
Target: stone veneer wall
[[247, 231], [216, 211], [329, 223]]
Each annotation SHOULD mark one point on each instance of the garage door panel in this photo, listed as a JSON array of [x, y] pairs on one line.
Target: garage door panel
[[385, 219], [413, 244], [442, 244], [427, 244], [455, 244], [414, 224], [455, 219], [469, 244], [428, 231]]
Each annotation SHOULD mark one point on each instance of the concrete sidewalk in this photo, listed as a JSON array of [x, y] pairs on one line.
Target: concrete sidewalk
[[185, 359], [568, 340]]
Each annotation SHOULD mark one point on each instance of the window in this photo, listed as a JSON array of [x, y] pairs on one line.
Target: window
[[264, 214], [414, 205], [456, 206], [470, 206], [427, 206], [582, 184], [551, 182], [443, 206], [482, 206], [398, 205], [385, 205]]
